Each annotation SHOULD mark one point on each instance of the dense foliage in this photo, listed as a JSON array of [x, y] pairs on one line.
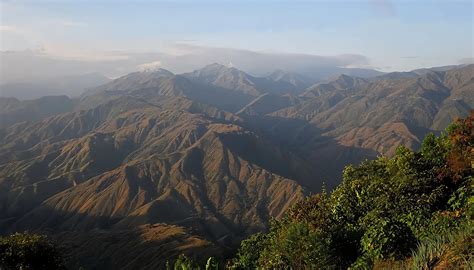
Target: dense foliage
[[29, 251], [385, 211], [185, 263]]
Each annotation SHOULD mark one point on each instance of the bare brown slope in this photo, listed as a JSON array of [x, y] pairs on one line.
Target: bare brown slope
[[144, 247], [461, 99], [13, 111], [226, 77], [155, 84], [131, 162], [268, 103], [209, 179], [341, 83], [384, 139], [398, 111], [291, 83], [235, 80]]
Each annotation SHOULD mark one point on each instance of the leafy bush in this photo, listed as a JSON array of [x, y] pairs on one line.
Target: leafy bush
[[249, 252], [388, 239], [185, 263], [29, 251], [380, 212], [296, 246]]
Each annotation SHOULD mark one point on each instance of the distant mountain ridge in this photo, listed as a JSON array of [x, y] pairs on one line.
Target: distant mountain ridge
[[13, 110], [204, 158], [237, 80], [343, 82], [423, 103], [72, 86]]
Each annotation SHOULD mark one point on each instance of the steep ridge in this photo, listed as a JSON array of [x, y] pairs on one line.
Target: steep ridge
[[135, 80], [294, 82], [13, 111], [226, 77], [34, 88], [396, 76], [343, 82], [144, 247], [461, 99], [402, 109], [268, 103], [322, 96], [323, 155], [413, 101], [236, 80], [163, 83], [125, 163]]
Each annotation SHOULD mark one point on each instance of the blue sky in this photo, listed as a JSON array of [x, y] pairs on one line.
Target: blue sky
[[393, 35]]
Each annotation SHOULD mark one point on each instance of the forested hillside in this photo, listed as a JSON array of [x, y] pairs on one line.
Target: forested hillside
[[411, 211]]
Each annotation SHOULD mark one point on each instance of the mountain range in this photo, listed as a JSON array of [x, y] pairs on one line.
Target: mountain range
[[72, 86], [193, 163]]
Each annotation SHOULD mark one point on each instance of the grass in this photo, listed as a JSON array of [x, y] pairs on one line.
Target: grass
[[453, 250]]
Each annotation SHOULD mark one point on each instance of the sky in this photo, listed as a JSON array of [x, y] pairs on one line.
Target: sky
[[390, 35]]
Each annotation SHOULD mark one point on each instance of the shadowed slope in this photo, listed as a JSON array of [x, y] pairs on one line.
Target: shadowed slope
[[127, 162]]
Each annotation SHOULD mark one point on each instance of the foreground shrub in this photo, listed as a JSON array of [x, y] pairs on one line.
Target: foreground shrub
[[185, 263], [29, 251], [452, 250], [380, 212]]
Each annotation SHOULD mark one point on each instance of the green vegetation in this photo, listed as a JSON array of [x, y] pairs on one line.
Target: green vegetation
[[29, 251], [451, 248], [185, 263], [413, 210]]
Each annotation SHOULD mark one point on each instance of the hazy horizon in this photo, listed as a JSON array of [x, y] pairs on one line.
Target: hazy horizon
[[115, 38]]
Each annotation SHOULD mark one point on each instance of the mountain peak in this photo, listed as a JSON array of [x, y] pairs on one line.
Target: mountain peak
[[279, 74], [217, 67], [344, 77], [349, 81], [216, 70], [158, 71], [215, 64]]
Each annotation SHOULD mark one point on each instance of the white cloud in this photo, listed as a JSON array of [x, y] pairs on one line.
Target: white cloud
[[14, 37], [9, 28], [150, 66], [61, 60], [257, 63], [67, 51]]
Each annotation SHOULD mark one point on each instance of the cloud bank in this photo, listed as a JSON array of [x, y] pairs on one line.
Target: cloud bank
[[178, 58]]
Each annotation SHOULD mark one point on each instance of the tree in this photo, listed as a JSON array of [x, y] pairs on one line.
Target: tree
[[380, 212], [249, 252], [29, 251]]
